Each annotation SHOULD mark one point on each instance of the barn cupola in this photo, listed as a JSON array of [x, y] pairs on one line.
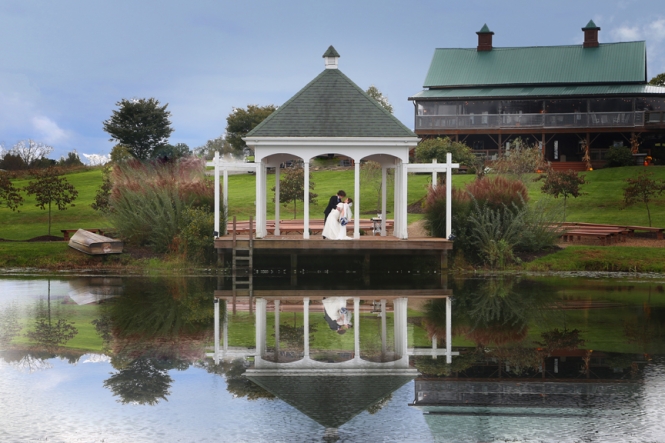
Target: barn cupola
[[331, 58], [590, 35], [485, 39]]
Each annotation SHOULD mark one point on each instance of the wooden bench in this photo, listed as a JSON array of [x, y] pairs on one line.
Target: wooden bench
[[67, 233], [604, 237], [298, 226], [630, 228]]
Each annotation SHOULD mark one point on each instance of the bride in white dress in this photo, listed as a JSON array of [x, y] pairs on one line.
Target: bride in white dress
[[332, 230], [346, 212]]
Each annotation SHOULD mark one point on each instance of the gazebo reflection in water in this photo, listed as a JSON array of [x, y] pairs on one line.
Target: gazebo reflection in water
[[363, 366]]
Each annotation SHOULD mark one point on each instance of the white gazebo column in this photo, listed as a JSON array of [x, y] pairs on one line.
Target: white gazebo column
[[260, 199], [403, 234], [226, 199], [384, 329], [216, 305], [356, 200], [277, 204], [225, 328], [216, 227], [449, 194], [260, 327], [397, 200], [384, 193], [277, 330], [401, 338], [305, 317], [305, 231], [356, 328], [449, 334]]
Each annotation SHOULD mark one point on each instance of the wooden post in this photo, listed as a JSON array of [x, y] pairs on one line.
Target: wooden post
[[216, 306], [356, 200]]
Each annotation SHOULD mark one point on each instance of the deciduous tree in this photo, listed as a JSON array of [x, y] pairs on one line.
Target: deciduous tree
[[374, 92], [140, 124], [437, 148], [9, 195], [642, 189], [30, 150], [522, 158], [240, 121], [658, 80], [218, 144], [50, 188], [292, 188], [562, 184]]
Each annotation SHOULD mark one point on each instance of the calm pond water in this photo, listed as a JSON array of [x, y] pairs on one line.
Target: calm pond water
[[132, 359]]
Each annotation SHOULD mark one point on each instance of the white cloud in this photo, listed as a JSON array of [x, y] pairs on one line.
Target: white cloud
[[652, 32], [628, 33], [49, 130], [657, 30]]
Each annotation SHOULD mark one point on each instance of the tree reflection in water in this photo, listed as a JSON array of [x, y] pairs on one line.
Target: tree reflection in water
[[142, 382], [494, 313], [156, 325], [50, 333]]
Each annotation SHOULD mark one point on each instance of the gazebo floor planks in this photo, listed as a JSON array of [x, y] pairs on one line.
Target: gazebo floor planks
[[318, 294], [317, 245]]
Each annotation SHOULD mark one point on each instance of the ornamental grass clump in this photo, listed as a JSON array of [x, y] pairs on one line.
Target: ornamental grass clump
[[149, 201], [491, 220]]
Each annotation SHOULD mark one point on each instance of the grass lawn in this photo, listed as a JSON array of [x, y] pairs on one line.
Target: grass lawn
[[602, 203], [33, 222]]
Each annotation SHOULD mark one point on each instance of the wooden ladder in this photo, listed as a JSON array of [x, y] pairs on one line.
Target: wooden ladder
[[243, 265]]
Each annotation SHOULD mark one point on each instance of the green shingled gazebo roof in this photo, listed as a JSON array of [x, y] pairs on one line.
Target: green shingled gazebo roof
[[331, 105]]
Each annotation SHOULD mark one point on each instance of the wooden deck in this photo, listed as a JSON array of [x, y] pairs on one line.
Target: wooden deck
[[317, 245]]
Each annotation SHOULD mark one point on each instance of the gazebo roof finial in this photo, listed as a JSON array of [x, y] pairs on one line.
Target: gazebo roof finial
[[331, 57]]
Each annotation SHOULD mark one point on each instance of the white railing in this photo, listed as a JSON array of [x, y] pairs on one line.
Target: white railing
[[568, 120]]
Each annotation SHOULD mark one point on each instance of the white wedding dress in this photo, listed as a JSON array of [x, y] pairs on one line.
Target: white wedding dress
[[346, 212], [332, 230]]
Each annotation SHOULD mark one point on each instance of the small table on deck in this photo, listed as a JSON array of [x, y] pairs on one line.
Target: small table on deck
[[376, 225]]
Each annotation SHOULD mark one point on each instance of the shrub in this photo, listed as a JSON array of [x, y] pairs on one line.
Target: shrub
[[195, 238], [522, 159], [491, 220], [437, 148], [498, 191], [149, 200], [619, 156], [495, 232]]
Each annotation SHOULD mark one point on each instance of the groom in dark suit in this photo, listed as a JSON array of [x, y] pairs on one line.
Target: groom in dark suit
[[332, 204]]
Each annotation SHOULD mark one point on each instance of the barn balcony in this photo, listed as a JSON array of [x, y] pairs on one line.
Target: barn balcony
[[541, 120]]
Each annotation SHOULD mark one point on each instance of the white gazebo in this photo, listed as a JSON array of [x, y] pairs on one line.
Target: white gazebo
[[331, 115]]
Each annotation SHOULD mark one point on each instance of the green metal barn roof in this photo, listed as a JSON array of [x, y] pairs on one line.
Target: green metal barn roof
[[538, 65]]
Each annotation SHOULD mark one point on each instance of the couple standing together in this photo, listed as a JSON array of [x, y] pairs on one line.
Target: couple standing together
[[337, 215]]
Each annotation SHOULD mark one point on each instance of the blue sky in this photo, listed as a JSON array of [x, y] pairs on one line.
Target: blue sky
[[65, 64]]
